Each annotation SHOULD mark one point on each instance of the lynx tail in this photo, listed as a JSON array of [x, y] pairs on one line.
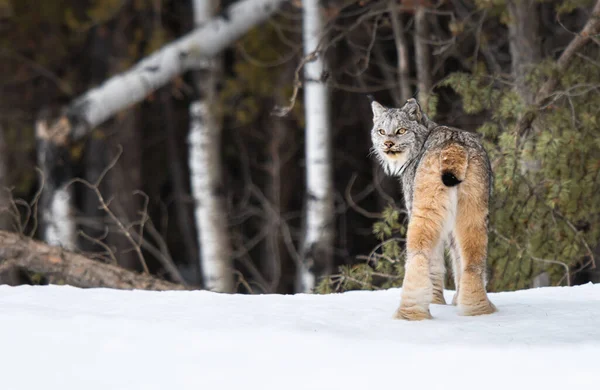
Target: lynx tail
[[453, 162]]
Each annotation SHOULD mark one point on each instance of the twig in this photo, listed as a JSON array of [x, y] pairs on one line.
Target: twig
[[98, 241], [354, 206], [382, 244], [104, 206], [591, 28], [36, 201], [520, 248]]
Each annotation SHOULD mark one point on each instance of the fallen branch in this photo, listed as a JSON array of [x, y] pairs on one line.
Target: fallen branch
[[61, 266]]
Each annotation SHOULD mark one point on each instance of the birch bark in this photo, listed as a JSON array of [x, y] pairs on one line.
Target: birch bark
[[58, 224], [317, 247], [206, 172]]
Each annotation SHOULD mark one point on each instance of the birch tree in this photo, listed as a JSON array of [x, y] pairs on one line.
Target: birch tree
[[206, 171], [58, 225], [316, 251], [123, 91]]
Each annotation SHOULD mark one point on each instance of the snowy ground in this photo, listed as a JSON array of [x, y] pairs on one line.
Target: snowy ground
[[66, 338]]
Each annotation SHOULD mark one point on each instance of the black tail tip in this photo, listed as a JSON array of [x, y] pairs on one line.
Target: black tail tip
[[449, 179]]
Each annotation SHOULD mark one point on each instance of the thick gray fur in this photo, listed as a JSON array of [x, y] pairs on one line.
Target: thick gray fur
[[422, 135]]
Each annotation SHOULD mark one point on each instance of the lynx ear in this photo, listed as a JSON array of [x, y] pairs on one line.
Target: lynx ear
[[377, 108], [413, 109]]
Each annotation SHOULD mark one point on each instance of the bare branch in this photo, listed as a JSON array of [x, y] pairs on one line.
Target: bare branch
[[591, 28], [104, 205]]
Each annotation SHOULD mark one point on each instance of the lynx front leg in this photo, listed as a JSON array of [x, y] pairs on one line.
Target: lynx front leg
[[416, 289], [437, 271], [472, 239]]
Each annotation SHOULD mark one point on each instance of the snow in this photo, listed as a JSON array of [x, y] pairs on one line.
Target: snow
[[60, 337]]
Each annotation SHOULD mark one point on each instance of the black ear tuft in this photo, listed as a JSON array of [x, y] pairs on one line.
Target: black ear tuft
[[371, 98], [449, 179]]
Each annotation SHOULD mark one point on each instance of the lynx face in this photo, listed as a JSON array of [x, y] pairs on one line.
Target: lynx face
[[397, 133]]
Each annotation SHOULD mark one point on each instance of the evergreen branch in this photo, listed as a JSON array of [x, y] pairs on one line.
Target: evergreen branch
[[591, 28]]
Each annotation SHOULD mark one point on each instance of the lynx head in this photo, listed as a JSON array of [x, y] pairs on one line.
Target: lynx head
[[397, 134]]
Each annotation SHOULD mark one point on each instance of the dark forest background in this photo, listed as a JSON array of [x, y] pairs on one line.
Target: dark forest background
[[487, 61]]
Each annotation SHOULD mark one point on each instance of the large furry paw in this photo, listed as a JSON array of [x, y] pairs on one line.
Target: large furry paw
[[412, 314], [477, 309], [455, 299]]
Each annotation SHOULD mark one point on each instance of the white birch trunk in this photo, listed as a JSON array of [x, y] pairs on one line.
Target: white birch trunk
[[318, 241], [58, 224], [205, 170], [130, 87]]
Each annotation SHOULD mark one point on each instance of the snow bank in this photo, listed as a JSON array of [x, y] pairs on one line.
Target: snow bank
[[67, 338]]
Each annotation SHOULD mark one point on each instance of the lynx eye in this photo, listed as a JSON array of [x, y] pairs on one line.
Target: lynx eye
[[401, 131], [381, 131]]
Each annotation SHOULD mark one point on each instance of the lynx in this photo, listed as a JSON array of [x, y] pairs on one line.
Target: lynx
[[446, 181]]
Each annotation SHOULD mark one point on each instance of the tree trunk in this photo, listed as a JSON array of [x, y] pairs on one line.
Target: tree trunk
[[590, 30], [6, 219], [58, 224], [95, 153], [125, 178], [123, 181], [279, 145], [422, 55], [525, 43], [10, 276], [64, 267], [525, 51], [206, 172], [183, 210], [317, 248], [402, 51]]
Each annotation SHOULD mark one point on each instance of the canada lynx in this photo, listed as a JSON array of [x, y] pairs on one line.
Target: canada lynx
[[446, 180]]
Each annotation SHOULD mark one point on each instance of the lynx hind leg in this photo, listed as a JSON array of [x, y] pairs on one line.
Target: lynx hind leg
[[456, 265], [472, 239], [429, 213], [437, 272]]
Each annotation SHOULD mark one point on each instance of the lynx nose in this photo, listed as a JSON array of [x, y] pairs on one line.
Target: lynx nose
[[388, 144]]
